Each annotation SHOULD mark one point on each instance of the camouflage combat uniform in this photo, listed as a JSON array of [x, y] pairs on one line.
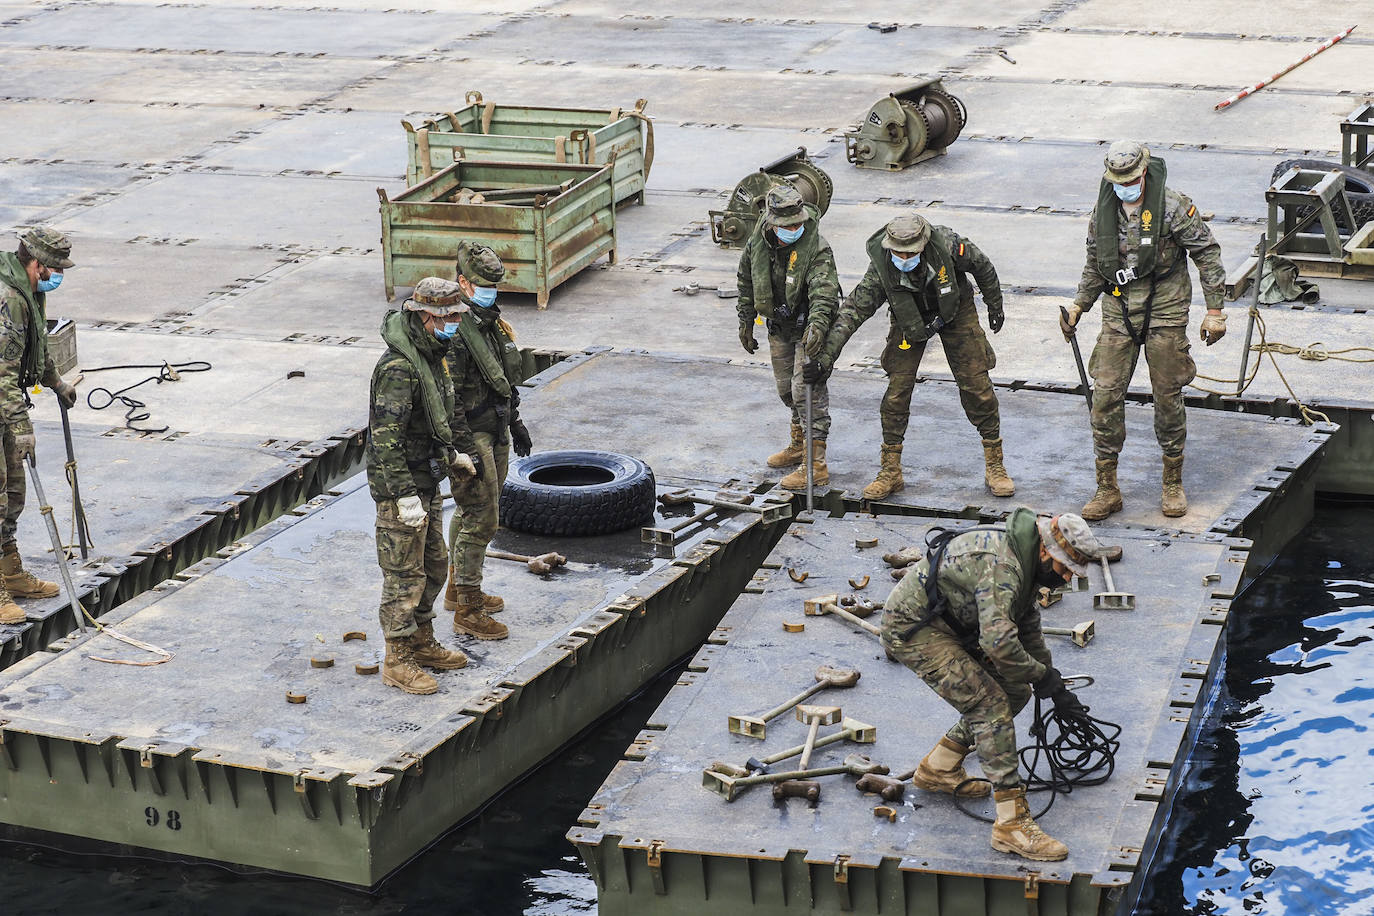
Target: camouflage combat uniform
[[988, 578], [934, 295], [404, 458], [1180, 234], [24, 361], [486, 367], [790, 288]]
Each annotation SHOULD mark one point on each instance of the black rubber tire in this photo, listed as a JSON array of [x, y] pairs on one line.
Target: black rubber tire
[[576, 493], [1359, 188]]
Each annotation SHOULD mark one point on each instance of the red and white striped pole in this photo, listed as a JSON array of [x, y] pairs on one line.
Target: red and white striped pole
[[1227, 103]]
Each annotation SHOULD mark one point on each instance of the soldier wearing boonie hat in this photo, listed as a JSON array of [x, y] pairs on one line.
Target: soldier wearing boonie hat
[[788, 282], [27, 275], [1140, 237], [922, 273], [410, 450], [964, 618], [487, 369]]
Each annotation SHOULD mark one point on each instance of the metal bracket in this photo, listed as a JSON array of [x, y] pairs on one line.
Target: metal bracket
[[842, 882], [654, 859]]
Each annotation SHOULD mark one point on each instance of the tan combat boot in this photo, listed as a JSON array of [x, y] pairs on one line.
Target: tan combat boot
[[999, 483], [399, 669], [791, 456], [430, 653], [1174, 503], [1107, 499], [9, 611], [19, 581], [889, 479], [1017, 832], [820, 474], [492, 604], [942, 770], [469, 618]]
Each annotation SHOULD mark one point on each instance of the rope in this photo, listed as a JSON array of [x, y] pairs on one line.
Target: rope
[[166, 372], [1315, 352], [1079, 750]]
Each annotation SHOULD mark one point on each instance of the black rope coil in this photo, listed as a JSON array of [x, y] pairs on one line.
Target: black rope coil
[[135, 413]]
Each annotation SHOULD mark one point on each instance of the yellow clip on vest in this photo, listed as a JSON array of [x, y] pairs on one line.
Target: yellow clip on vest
[[903, 345]]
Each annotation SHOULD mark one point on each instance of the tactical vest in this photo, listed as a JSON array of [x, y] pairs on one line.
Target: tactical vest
[[1151, 224], [937, 272], [498, 362]]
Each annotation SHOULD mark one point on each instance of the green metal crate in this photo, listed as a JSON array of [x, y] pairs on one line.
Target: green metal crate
[[542, 244], [513, 133]]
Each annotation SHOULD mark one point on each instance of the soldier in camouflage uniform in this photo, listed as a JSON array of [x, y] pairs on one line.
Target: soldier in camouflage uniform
[[974, 636], [787, 280], [27, 275], [1139, 238], [922, 272], [486, 369], [409, 451]]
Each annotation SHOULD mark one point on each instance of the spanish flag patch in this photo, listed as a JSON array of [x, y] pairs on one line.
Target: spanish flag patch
[[1192, 210]]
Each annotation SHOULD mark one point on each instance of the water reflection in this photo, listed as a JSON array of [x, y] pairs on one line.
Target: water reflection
[[1275, 813]]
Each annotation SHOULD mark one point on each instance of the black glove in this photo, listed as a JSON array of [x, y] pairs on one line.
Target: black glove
[[1066, 701], [1050, 683], [746, 337], [814, 373], [476, 463], [995, 317], [520, 438]]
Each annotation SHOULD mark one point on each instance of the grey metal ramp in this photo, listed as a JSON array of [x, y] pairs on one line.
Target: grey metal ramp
[[361, 776], [658, 842], [1230, 472]]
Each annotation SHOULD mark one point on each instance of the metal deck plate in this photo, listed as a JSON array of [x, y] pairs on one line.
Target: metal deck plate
[[760, 857], [377, 773]]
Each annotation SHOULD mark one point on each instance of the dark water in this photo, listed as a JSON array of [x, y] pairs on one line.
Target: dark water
[[1275, 817]]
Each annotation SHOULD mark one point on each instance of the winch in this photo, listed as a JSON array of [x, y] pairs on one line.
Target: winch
[[732, 226], [907, 127]]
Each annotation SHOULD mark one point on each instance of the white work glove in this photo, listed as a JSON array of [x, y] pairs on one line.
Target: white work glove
[[24, 444], [1068, 323], [411, 511], [1213, 327], [462, 466]]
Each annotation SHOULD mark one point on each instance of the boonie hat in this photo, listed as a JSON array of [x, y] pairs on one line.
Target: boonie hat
[[907, 233], [1069, 540], [479, 264], [784, 206], [1126, 161], [51, 248], [436, 296]]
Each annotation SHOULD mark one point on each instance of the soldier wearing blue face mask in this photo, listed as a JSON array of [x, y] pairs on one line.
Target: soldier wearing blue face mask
[[787, 281], [27, 275], [486, 369], [922, 273], [1140, 238]]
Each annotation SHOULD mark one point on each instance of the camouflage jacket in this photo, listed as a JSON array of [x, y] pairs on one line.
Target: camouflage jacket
[[403, 457], [481, 406], [865, 299], [14, 326], [805, 285], [989, 585], [1182, 235]]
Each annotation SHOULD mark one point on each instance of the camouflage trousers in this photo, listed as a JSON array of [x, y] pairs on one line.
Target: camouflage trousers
[[414, 566], [12, 489], [1113, 363], [477, 514], [965, 679], [788, 360], [970, 358]]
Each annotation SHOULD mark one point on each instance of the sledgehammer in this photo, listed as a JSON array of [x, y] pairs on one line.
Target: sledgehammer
[[541, 565], [826, 676]]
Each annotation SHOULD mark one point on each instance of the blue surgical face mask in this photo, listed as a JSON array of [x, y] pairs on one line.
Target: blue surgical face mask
[[447, 331], [788, 236], [485, 296], [1129, 193], [53, 282], [906, 265]]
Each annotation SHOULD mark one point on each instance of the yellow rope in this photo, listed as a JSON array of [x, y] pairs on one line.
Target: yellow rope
[[1316, 352]]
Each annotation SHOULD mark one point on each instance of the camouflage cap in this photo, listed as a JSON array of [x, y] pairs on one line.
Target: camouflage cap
[[1126, 161], [437, 296], [783, 206], [51, 248], [479, 264], [907, 233], [1069, 540]]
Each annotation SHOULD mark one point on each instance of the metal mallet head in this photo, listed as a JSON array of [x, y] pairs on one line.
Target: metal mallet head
[[1082, 634], [808, 789]]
